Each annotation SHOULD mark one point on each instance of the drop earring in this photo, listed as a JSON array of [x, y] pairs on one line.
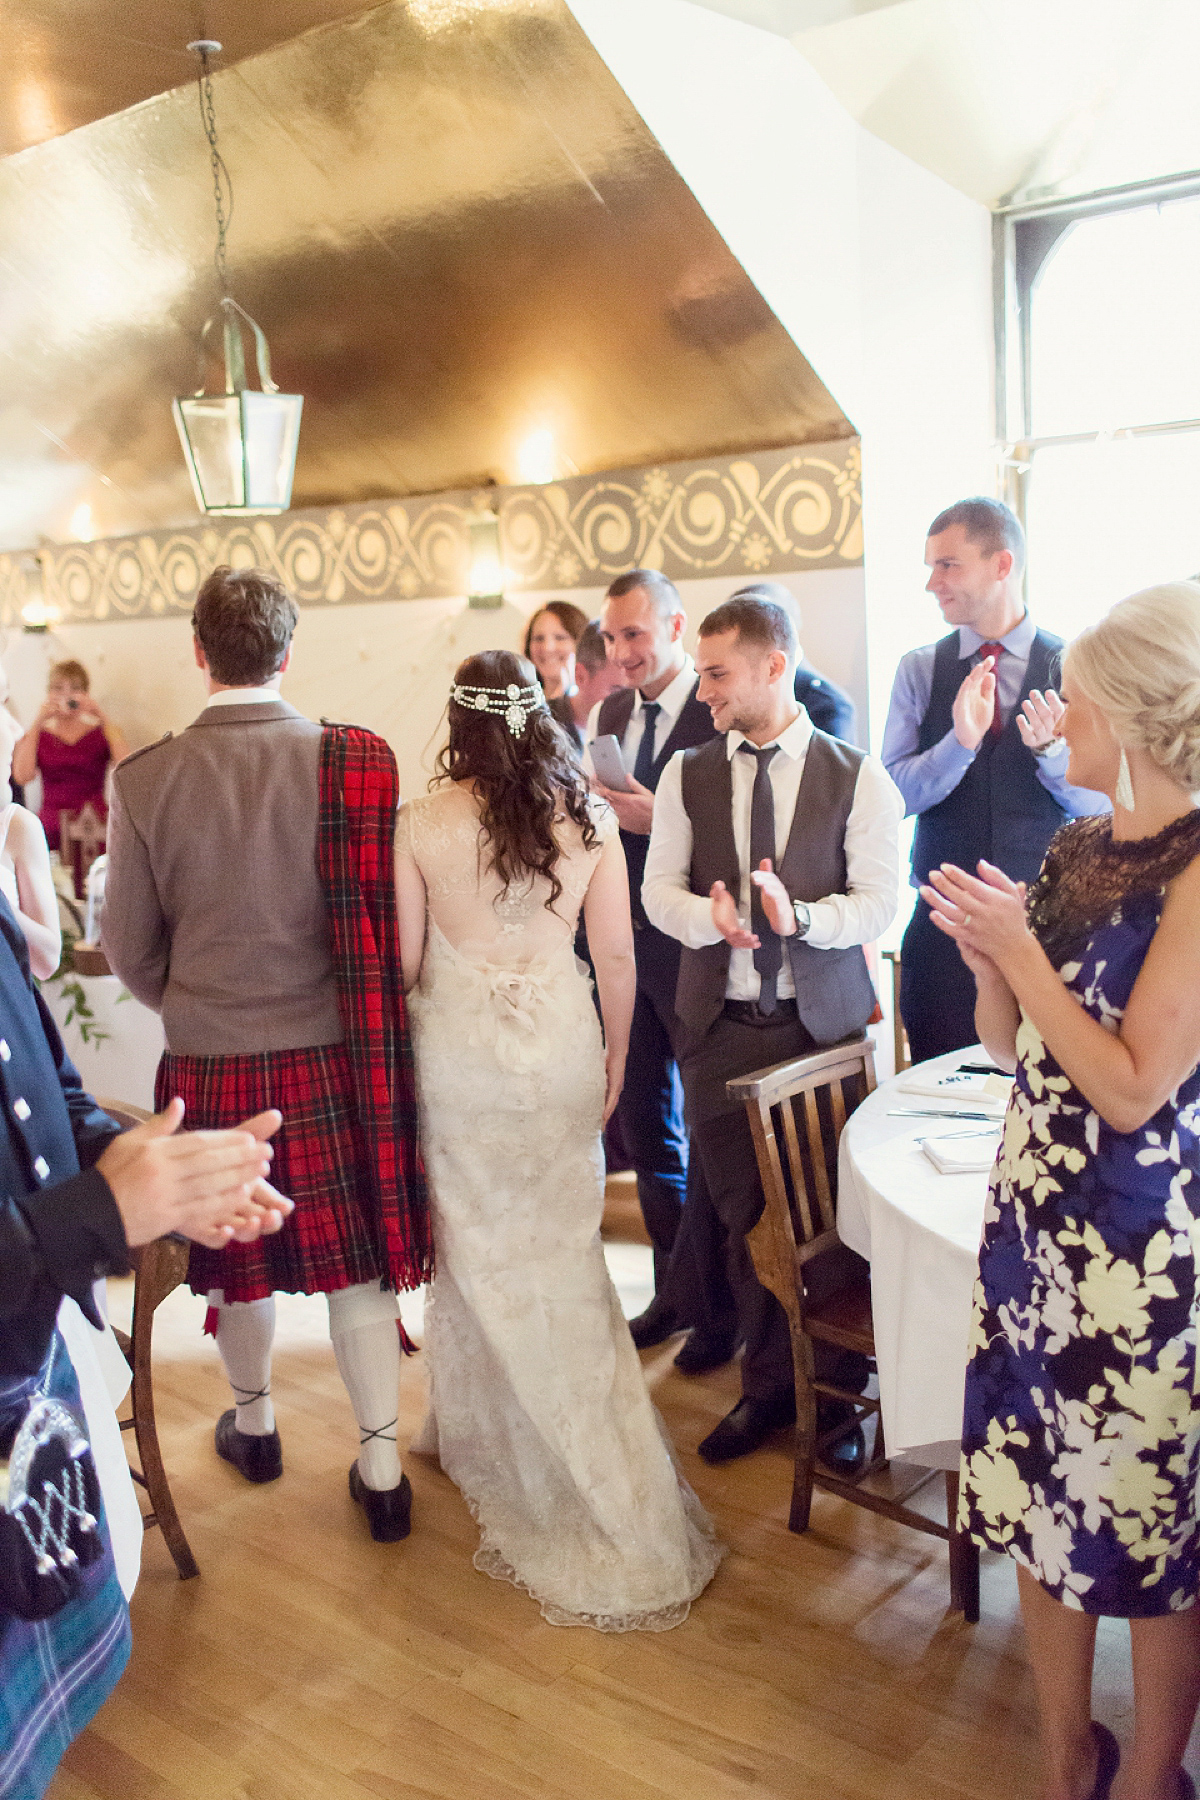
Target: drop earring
[[1124, 783]]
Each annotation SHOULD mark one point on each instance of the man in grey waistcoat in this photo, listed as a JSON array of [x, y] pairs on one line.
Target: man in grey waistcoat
[[773, 859]]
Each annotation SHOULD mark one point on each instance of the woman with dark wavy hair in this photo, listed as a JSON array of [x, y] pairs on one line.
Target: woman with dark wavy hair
[[539, 1410]]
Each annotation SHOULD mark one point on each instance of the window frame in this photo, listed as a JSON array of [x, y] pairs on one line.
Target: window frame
[[1023, 238]]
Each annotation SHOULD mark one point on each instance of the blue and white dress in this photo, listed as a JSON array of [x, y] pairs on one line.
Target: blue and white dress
[[1081, 1434]]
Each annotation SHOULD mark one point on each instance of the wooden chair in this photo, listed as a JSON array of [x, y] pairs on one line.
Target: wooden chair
[[81, 840], [797, 1112], [899, 1035], [159, 1268]]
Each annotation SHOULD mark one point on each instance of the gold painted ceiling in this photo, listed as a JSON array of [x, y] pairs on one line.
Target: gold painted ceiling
[[464, 244], [67, 62]]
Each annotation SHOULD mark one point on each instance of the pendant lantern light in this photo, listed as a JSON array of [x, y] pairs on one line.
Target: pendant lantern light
[[239, 445]]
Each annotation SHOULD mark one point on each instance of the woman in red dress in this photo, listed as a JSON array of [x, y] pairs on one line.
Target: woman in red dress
[[70, 745]]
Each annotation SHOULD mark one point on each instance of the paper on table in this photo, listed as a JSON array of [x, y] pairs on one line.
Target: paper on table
[[989, 1091], [962, 1153]]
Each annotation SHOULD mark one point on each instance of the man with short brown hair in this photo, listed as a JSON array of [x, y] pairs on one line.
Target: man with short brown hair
[[971, 742], [653, 714], [243, 621], [250, 900], [772, 861]]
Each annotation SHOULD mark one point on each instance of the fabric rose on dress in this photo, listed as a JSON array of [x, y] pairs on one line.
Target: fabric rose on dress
[[507, 1022]]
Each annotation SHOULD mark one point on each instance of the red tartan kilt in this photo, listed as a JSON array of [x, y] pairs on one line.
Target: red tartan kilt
[[331, 1240]]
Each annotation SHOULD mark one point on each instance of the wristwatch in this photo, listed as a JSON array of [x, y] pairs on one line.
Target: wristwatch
[[1048, 749], [803, 917]]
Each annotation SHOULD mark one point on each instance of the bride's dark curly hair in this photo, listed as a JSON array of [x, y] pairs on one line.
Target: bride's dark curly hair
[[522, 782]]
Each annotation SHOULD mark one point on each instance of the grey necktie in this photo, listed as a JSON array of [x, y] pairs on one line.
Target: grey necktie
[[643, 767], [768, 958]]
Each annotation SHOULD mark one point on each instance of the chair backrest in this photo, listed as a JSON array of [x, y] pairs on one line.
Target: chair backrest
[[124, 1112], [81, 839], [797, 1112], [901, 1054]]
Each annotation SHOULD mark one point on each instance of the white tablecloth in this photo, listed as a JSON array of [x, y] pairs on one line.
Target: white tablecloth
[[920, 1232]]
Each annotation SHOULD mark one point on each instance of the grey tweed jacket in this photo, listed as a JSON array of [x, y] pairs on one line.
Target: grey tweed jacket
[[213, 911]]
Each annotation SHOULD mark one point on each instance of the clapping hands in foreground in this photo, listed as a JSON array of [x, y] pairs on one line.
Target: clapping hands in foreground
[[210, 1186], [777, 905]]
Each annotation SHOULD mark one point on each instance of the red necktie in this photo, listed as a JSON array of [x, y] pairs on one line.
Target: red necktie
[[994, 650]]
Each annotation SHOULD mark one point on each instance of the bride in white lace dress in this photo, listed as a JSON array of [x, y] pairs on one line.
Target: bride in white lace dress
[[540, 1413]]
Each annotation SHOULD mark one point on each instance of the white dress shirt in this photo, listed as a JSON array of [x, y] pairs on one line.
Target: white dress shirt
[[247, 696], [858, 916], [671, 701]]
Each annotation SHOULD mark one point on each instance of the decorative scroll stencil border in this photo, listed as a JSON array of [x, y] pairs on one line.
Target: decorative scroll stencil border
[[760, 514]]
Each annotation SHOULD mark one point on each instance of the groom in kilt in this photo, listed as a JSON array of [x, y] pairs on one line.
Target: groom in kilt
[[250, 901]]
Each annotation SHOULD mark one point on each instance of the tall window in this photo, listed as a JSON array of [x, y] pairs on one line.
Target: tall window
[[1111, 405]]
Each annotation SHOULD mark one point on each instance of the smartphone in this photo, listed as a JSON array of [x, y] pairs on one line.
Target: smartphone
[[72, 704], [609, 764]]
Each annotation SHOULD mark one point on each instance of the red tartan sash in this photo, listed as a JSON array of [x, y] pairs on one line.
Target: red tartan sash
[[360, 791]]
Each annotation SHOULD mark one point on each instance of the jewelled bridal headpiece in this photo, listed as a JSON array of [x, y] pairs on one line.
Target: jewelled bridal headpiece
[[513, 703]]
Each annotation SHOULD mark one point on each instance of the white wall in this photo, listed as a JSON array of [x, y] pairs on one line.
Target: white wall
[[879, 270], [386, 665]]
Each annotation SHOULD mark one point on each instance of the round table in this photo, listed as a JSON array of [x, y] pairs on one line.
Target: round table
[[920, 1232]]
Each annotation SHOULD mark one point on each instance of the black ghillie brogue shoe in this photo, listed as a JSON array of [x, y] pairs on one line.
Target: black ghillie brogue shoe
[[257, 1458], [388, 1510]]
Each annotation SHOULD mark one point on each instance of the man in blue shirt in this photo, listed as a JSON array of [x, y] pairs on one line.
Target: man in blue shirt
[[970, 742]]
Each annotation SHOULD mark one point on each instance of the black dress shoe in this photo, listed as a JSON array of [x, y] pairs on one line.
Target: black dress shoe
[[257, 1458], [388, 1510], [846, 1455], [654, 1326], [750, 1423], [703, 1350]]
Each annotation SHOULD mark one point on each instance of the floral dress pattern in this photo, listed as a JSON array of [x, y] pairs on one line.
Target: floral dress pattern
[[1081, 1434]]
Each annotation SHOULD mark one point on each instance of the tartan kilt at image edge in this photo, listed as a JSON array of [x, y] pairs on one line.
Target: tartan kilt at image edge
[[55, 1675], [333, 1239]]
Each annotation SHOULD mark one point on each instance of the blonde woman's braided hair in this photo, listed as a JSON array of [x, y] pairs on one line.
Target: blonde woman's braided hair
[[1141, 664]]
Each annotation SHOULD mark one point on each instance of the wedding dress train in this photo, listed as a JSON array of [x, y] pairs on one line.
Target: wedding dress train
[[540, 1413]]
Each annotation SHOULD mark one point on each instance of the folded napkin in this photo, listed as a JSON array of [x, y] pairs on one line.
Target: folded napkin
[[959, 1154], [987, 1091]]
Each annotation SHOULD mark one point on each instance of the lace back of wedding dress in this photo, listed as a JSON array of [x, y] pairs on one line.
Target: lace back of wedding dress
[[541, 1411]]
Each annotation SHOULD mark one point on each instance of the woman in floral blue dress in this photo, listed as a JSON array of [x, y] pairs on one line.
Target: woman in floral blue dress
[[1081, 1437]]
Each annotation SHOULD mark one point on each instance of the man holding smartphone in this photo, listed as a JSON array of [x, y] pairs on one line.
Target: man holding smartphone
[[651, 716]]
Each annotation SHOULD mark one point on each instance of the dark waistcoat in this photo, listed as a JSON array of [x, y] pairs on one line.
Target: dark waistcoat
[[999, 810], [693, 726], [834, 995]]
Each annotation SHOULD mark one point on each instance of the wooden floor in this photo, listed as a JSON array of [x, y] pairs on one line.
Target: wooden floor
[[309, 1663]]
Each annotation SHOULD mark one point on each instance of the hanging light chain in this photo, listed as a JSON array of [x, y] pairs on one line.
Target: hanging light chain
[[222, 180]]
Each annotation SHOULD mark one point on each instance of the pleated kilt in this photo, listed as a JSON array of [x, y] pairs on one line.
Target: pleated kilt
[[56, 1674], [333, 1239]]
